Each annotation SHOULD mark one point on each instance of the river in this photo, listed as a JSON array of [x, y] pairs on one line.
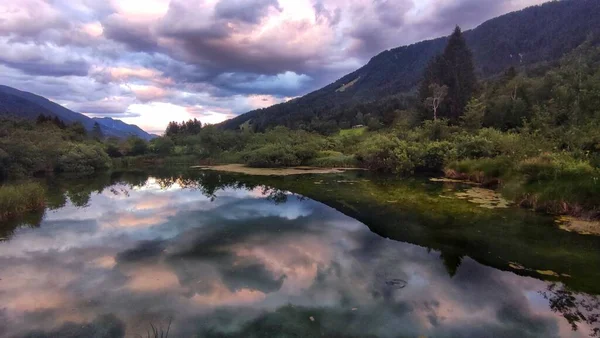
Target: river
[[205, 254]]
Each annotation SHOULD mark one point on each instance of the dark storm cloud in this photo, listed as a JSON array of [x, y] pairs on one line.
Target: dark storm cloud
[[138, 37], [250, 11], [42, 68]]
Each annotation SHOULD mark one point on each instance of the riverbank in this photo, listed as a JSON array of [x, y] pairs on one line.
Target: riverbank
[[572, 198], [551, 183]]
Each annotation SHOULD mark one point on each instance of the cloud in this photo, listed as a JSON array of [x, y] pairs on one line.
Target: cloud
[[250, 11], [43, 60], [225, 53], [115, 107]]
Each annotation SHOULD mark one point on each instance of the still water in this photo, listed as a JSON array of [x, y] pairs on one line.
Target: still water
[[241, 259]]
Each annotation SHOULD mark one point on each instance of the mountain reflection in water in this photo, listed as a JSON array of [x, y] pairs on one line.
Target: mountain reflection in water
[[247, 261]]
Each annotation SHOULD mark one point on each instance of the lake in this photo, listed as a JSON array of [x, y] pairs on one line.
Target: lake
[[205, 254]]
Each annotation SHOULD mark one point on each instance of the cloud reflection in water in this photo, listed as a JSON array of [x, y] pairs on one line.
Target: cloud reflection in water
[[240, 265]]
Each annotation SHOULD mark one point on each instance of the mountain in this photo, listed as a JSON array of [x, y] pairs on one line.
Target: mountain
[[539, 34], [12, 105], [128, 129], [14, 102]]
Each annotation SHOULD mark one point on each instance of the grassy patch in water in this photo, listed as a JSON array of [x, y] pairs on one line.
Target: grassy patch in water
[[553, 183], [19, 199], [580, 226]]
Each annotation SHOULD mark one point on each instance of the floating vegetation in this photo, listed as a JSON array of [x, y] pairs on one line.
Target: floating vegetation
[[485, 198], [516, 266], [547, 273], [550, 273], [242, 169], [450, 180], [580, 226]]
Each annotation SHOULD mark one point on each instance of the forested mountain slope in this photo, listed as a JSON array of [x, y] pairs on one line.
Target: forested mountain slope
[[539, 34], [12, 105], [17, 103], [129, 129]]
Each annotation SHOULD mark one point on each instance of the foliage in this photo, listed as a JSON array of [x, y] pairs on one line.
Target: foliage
[[190, 127], [472, 119], [28, 148], [82, 159], [449, 81]]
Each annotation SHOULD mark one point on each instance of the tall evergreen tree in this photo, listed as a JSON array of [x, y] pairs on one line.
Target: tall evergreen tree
[[454, 69], [459, 74], [97, 132]]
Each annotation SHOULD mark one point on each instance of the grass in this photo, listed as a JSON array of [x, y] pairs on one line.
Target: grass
[[19, 199], [553, 183], [353, 131], [338, 160]]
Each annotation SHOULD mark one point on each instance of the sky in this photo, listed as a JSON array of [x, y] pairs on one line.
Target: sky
[[148, 62]]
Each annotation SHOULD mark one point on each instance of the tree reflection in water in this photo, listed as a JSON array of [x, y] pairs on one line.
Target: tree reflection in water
[[576, 308]]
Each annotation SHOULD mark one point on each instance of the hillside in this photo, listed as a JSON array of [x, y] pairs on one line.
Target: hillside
[[12, 105], [129, 129], [14, 102], [539, 34]]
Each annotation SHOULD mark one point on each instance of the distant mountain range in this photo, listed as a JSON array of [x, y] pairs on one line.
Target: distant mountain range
[[533, 36], [14, 102]]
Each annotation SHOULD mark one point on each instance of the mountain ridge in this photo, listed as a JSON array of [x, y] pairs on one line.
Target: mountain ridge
[[18, 103], [534, 35]]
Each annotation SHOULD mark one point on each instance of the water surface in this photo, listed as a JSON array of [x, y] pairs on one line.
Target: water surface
[[228, 256]]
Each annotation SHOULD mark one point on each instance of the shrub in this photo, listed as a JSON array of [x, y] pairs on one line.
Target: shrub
[[273, 155], [19, 199], [473, 147], [336, 161], [481, 170], [554, 166], [378, 153], [82, 158], [434, 155]]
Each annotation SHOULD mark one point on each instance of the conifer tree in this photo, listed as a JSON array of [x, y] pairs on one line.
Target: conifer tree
[[97, 132], [458, 74], [454, 69]]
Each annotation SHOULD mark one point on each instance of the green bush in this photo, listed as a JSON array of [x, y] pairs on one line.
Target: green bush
[[555, 166], [82, 158], [484, 168], [273, 155], [433, 156], [473, 147], [19, 199], [335, 161], [378, 153]]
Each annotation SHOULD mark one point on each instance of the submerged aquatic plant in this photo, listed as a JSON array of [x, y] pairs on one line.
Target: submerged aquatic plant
[[485, 198]]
